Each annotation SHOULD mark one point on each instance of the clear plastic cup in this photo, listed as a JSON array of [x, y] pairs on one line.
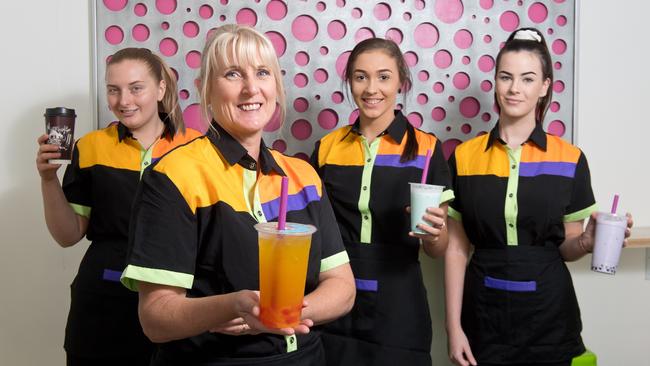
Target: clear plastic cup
[[610, 233], [423, 196]]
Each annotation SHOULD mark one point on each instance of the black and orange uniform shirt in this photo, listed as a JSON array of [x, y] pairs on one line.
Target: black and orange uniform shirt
[[519, 304], [100, 184], [193, 228], [369, 188]]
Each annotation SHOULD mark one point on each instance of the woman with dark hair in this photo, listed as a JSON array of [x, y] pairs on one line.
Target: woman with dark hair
[[367, 168], [521, 200], [95, 201]]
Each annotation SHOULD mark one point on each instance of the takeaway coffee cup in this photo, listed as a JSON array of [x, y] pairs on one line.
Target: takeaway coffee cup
[[59, 126]]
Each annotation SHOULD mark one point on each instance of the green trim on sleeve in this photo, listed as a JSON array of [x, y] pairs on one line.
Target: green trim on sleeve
[[454, 214], [447, 195], [132, 274], [334, 261], [81, 210], [582, 214]]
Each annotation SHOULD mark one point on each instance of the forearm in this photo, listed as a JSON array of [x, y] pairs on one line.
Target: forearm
[[575, 245], [65, 226], [455, 264], [333, 298]]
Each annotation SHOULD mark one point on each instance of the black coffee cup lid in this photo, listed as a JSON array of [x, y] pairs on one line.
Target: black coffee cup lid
[[60, 111]]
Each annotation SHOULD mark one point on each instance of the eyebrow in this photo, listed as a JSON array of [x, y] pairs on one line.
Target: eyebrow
[[524, 74], [131, 83], [365, 72]]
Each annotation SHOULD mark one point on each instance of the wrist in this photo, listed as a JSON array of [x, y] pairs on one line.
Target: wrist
[[582, 245]]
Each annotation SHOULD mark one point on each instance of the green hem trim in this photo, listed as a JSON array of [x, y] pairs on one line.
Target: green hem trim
[[454, 214], [582, 214], [132, 274], [334, 261], [81, 210], [447, 195]]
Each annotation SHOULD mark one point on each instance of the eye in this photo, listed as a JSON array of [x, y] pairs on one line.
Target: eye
[[529, 80], [112, 91], [263, 73], [136, 89], [384, 77], [232, 74], [359, 77], [504, 77]]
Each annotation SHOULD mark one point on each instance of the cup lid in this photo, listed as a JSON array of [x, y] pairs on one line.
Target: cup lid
[[291, 228], [60, 111]]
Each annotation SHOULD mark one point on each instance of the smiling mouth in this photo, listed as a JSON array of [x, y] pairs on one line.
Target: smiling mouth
[[250, 107], [372, 101], [128, 111]]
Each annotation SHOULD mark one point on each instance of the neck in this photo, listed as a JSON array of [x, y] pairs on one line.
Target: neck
[[149, 133], [371, 128], [515, 131]]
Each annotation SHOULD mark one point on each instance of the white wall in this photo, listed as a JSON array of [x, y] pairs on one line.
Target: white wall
[[46, 62]]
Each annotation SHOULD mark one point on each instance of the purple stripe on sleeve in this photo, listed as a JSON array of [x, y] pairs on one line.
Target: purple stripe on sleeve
[[393, 160], [547, 168], [295, 202], [111, 275], [366, 285]]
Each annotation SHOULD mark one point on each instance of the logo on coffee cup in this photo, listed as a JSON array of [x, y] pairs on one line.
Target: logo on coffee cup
[[60, 135]]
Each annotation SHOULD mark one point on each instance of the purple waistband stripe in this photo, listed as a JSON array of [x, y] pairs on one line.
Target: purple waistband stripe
[[111, 275], [513, 286], [366, 285]]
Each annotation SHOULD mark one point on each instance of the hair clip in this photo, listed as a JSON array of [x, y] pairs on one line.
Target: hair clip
[[527, 35]]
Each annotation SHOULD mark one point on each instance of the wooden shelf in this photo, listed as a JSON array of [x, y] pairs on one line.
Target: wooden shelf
[[640, 238]]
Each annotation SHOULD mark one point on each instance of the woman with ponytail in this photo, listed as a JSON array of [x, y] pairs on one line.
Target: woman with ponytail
[[367, 168], [95, 201]]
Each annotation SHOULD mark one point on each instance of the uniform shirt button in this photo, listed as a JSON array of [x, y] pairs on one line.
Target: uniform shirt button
[[369, 160], [365, 217], [252, 166], [511, 225], [259, 213], [514, 166], [291, 340], [510, 195], [146, 163], [365, 188]]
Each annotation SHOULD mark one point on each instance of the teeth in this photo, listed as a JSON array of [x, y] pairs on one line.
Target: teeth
[[372, 101], [250, 107], [128, 110]]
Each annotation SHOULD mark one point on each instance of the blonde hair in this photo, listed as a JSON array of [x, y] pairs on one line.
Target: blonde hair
[[233, 44]]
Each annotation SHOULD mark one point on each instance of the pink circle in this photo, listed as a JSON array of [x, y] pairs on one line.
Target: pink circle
[[558, 86], [486, 85], [276, 9], [438, 87], [363, 34], [300, 105], [559, 47], [466, 60], [415, 119], [486, 4], [509, 21], [340, 3], [448, 11], [486, 63], [337, 97], [451, 99], [278, 42], [222, 18], [419, 4], [353, 116], [279, 145], [183, 94], [426, 35], [194, 119], [537, 13], [463, 39], [449, 146], [381, 11], [301, 129], [320, 6], [406, 16], [469, 107], [324, 51], [487, 38], [140, 32], [411, 58], [336, 29], [274, 123], [206, 11], [554, 107], [328, 119], [302, 58], [422, 99], [423, 75], [557, 65], [302, 156], [166, 6], [246, 16], [357, 13], [164, 25], [549, 31], [321, 75], [486, 117], [561, 20], [114, 35], [461, 81], [395, 35], [193, 59], [190, 29], [115, 5], [438, 114], [140, 9], [168, 47], [300, 80], [466, 128], [304, 28], [341, 61], [224, 2], [556, 128], [442, 59]]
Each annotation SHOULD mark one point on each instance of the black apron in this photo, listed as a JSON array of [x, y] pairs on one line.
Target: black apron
[[519, 307], [390, 322]]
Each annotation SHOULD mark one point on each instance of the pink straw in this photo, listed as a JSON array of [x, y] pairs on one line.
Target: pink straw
[[614, 204], [425, 171], [284, 192]]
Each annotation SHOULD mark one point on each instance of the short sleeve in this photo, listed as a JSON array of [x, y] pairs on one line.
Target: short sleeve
[[77, 186], [333, 251], [455, 206], [582, 202], [163, 236], [439, 173]]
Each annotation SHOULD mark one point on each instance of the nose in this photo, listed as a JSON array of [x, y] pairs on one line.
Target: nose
[[371, 86], [125, 98], [250, 85], [514, 86]]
